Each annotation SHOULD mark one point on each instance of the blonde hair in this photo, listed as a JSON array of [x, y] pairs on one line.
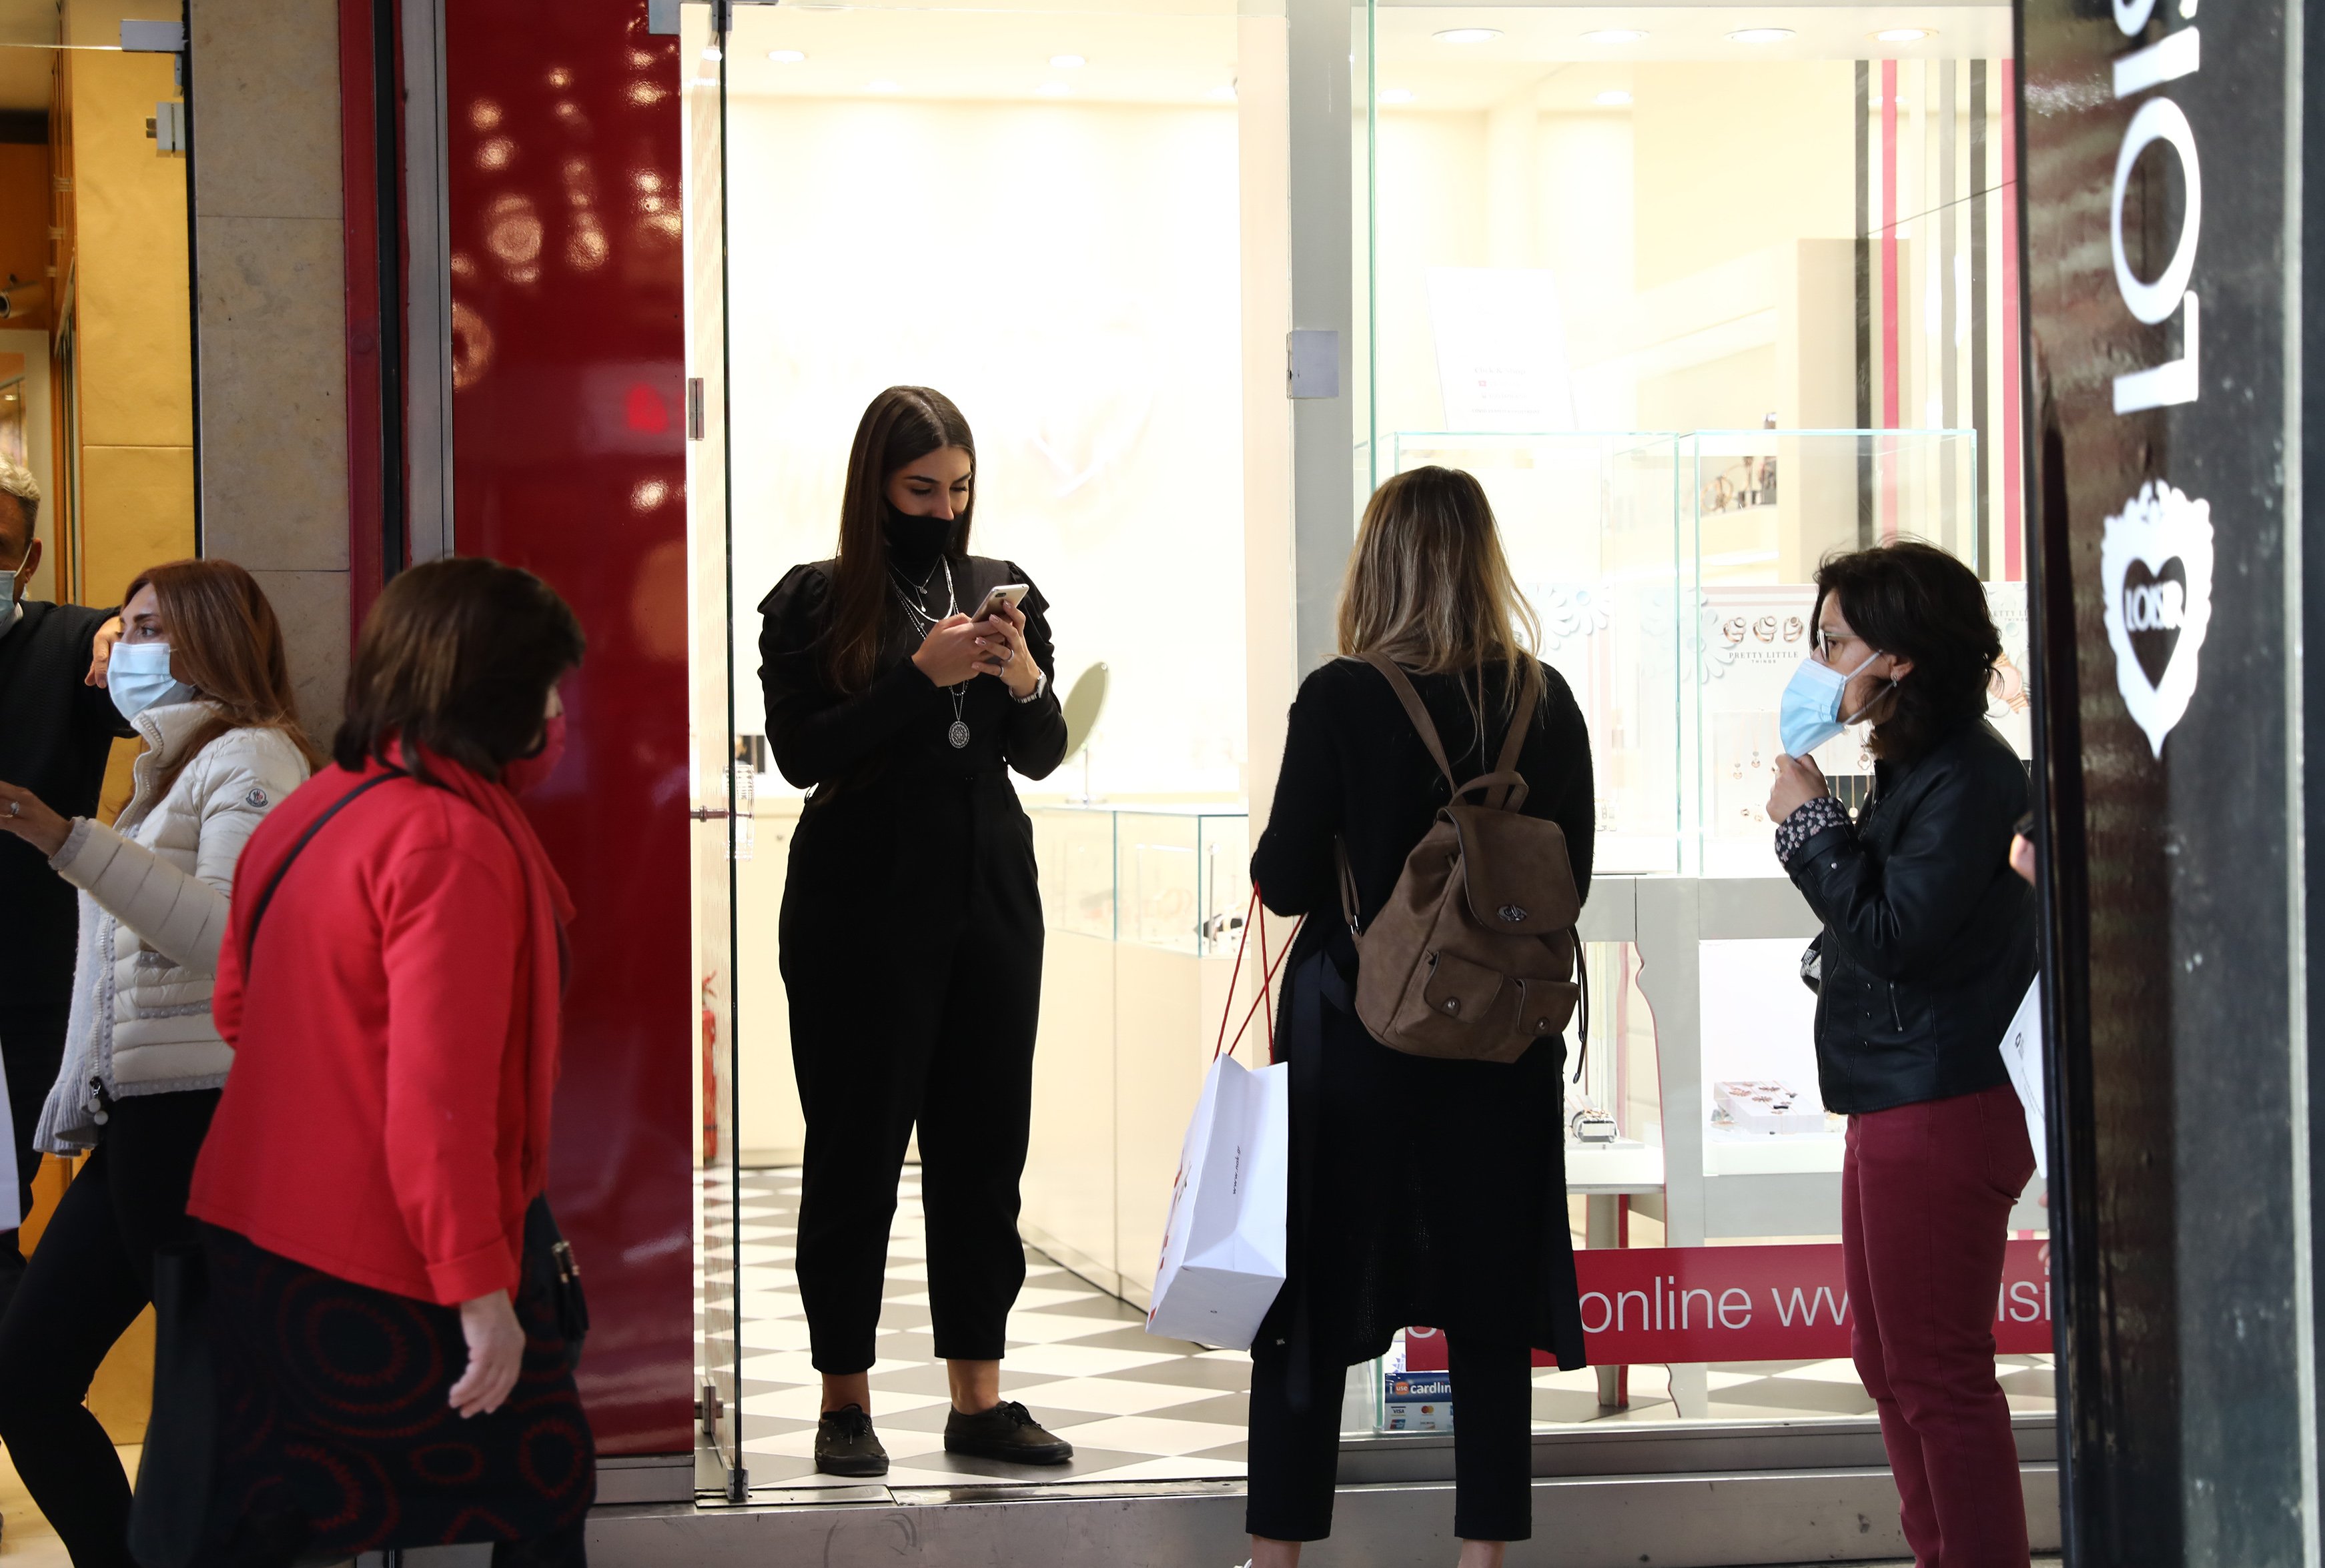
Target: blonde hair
[[1429, 586]]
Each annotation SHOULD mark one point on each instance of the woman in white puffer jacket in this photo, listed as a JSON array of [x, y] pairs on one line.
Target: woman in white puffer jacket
[[200, 672]]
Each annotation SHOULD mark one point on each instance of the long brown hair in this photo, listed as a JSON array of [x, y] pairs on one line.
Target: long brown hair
[[457, 658], [226, 644], [903, 425], [1428, 585]]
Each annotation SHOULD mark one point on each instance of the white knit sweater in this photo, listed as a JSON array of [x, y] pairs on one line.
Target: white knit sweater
[[153, 905]]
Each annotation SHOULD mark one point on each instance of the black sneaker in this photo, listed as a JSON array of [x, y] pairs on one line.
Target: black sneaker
[[1006, 1433], [845, 1443]]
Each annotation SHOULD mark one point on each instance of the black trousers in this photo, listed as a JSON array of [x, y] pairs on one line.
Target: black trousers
[[31, 1049], [911, 951], [1295, 1454], [91, 1276]]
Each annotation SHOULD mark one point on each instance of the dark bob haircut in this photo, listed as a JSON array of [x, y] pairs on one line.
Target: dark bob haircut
[[1911, 600], [456, 659]]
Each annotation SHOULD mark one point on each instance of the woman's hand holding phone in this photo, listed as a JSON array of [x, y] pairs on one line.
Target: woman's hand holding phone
[[1003, 637], [954, 652]]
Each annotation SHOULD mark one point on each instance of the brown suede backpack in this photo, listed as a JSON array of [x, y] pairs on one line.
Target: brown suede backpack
[[1476, 955]]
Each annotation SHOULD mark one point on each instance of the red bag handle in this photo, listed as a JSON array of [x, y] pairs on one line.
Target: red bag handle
[[1255, 914]]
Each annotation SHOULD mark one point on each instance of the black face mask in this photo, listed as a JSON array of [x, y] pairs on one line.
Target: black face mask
[[914, 543]]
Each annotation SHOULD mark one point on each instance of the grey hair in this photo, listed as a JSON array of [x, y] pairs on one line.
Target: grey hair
[[17, 480]]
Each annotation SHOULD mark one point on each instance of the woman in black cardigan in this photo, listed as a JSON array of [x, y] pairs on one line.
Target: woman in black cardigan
[[1472, 1237]]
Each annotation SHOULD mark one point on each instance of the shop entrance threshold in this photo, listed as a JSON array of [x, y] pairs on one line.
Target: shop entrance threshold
[[1707, 1520]]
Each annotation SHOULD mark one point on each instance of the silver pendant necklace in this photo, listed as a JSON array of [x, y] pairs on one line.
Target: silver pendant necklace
[[958, 734]]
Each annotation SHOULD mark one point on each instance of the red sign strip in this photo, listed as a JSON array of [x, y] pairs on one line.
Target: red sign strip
[[1645, 1305]]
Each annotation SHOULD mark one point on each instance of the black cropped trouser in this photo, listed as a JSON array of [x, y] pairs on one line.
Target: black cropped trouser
[[91, 1276], [1296, 1454], [912, 955]]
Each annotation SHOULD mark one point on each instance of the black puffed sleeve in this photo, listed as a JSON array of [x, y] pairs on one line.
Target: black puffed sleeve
[[814, 732], [1034, 741]]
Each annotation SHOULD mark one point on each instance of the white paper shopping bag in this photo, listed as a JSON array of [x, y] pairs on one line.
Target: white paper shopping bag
[[1223, 1247], [2022, 1053]]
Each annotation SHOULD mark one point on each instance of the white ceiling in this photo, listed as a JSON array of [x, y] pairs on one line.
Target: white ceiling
[[1187, 53]]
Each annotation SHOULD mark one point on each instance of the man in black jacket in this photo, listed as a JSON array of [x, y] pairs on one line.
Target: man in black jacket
[[56, 732]]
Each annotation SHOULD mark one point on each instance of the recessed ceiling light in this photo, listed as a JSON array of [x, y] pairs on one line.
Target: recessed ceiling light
[[1904, 34], [1396, 95], [882, 86], [1467, 35], [1760, 35], [1224, 92], [1052, 89], [1613, 99], [1614, 35], [1067, 62], [785, 56]]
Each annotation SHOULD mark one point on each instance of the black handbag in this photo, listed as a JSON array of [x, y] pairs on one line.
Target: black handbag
[[170, 1510]]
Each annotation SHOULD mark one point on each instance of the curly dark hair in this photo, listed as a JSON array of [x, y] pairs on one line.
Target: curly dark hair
[[1911, 600]]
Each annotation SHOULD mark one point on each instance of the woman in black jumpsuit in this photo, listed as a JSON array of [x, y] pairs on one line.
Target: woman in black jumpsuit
[[911, 920]]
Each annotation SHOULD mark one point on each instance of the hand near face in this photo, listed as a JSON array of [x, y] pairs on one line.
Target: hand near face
[[101, 652], [1799, 780]]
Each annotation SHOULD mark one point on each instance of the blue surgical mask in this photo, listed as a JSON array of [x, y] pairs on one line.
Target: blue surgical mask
[[1810, 715], [13, 610], [139, 677]]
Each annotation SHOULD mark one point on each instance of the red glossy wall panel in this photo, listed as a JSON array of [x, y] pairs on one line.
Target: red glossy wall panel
[[568, 455]]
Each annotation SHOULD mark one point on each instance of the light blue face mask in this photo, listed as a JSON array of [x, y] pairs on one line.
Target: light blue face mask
[[13, 610], [139, 677], [1810, 715]]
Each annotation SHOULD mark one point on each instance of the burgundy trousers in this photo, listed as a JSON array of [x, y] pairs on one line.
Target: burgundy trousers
[[1926, 1199]]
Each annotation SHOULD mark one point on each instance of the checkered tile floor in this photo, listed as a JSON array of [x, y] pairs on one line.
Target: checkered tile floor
[[1136, 1408]]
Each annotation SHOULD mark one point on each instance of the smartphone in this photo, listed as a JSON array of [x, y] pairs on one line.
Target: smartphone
[[1007, 594]]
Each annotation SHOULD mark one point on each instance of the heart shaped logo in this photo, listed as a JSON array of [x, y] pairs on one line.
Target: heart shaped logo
[[2155, 568], [2155, 606]]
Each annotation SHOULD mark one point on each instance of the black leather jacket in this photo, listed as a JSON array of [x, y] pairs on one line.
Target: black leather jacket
[[1929, 936]]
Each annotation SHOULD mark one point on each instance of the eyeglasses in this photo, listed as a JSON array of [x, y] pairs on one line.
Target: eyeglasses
[[1828, 645]]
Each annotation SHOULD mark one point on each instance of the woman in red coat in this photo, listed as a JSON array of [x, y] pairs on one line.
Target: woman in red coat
[[392, 1368]]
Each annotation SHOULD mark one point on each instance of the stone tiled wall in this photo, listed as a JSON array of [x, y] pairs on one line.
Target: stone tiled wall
[[270, 272]]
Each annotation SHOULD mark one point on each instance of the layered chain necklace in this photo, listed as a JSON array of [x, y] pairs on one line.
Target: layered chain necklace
[[923, 623]]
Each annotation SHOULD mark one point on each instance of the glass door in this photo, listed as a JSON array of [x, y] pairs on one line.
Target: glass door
[[720, 832]]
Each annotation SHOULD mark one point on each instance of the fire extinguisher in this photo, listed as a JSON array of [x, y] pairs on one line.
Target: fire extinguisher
[[709, 1072]]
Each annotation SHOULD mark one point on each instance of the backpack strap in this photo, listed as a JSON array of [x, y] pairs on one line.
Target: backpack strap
[[1505, 776], [258, 911], [1414, 709]]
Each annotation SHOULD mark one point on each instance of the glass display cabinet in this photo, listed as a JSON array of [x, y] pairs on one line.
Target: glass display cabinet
[[1674, 573], [1144, 908]]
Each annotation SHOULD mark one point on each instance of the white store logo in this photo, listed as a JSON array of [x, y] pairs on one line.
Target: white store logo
[[2155, 568], [2155, 557]]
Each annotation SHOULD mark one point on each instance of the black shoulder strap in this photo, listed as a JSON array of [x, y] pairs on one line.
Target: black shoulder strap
[[250, 940]]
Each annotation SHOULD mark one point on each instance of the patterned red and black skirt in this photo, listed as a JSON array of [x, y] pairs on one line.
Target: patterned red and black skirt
[[334, 1430]]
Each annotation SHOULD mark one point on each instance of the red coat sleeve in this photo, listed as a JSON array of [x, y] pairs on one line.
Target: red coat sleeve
[[451, 933]]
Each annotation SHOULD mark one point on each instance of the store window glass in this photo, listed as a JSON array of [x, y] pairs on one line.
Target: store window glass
[[96, 386], [1035, 212], [1695, 308], [1701, 297]]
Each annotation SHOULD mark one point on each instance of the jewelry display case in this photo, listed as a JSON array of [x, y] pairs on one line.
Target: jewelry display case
[[1144, 908]]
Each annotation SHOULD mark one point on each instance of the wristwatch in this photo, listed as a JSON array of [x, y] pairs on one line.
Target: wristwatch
[[1041, 685]]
